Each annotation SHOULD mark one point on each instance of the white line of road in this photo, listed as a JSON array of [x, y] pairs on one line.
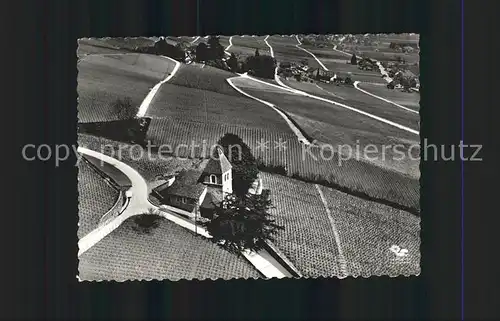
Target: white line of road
[[342, 260], [381, 98], [319, 62], [270, 48], [230, 45], [276, 77], [147, 101], [292, 126], [295, 91], [195, 39]]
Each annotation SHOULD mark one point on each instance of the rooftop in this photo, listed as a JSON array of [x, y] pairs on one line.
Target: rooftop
[[186, 184]]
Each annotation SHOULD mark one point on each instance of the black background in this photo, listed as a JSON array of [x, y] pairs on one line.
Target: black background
[[39, 242]]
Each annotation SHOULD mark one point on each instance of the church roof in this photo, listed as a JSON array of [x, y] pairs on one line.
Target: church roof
[[186, 184]]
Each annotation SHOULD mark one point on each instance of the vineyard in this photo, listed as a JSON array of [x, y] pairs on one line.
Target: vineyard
[[307, 240], [362, 101], [199, 105], [286, 51], [206, 78], [148, 165], [355, 175], [367, 232], [104, 79], [95, 198], [339, 120], [168, 252], [410, 100]]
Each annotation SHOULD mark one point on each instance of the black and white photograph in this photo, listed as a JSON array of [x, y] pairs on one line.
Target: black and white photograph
[[248, 157]]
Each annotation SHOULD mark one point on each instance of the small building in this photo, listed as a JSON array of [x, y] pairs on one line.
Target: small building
[[197, 189]]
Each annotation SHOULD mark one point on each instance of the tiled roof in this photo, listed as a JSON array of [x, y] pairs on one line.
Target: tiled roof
[[218, 166]]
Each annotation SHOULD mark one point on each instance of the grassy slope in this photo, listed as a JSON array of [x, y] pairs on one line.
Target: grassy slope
[[96, 197], [367, 231], [103, 79], [169, 252]]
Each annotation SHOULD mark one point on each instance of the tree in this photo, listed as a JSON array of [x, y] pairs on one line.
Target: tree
[[243, 222], [245, 170], [215, 49], [257, 52], [232, 62], [354, 60], [124, 109]]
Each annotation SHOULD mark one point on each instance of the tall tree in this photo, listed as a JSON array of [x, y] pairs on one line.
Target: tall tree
[[245, 170], [232, 62], [243, 222], [354, 60], [257, 52]]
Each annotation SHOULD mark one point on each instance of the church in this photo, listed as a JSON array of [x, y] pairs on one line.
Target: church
[[198, 189]]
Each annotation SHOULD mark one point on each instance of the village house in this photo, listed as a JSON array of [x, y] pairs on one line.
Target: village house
[[198, 191]]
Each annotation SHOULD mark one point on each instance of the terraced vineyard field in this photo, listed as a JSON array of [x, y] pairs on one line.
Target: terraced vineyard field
[[410, 100], [105, 78], [308, 239], [95, 198], [367, 232], [168, 252], [200, 105]]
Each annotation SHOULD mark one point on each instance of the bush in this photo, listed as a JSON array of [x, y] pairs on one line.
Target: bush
[[124, 109], [145, 223]]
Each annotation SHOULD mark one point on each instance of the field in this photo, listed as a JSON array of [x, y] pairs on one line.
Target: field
[[410, 100], [362, 101], [211, 100], [148, 165], [95, 198], [168, 252], [285, 51], [368, 230], [356, 126], [207, 78], [104, 78], [246, 46], [307, 239], [89, 46]]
